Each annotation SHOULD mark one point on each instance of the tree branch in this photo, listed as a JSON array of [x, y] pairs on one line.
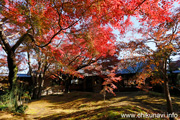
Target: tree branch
[[4, 42], [139, 5], [85, 65], [21, 39]]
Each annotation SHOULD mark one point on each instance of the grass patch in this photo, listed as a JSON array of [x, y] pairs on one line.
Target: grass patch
[[3, 107], [155, 94]]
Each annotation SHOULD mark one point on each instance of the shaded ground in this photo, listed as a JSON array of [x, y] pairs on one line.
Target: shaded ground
[[90, 106]]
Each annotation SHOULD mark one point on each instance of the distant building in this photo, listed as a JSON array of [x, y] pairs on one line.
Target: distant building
[[21, 77]]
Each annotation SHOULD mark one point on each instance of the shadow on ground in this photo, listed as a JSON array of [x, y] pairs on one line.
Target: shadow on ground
[[105, 113], [91, 106]]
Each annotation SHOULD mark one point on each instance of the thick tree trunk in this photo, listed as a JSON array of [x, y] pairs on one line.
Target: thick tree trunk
[[35, 92], [12, 69], [67, 84], [35, 87], [41, 82], [38, 83], [66, 87], [13, 79]]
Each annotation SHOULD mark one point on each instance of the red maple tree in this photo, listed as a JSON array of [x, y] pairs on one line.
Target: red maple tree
[[87, 24]]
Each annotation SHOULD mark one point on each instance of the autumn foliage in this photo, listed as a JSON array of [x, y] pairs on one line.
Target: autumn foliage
[[71, 35]]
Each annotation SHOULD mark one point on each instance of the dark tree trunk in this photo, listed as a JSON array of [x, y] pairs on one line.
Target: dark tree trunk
[[29, 63], [67, 85], [35, 88], [168, 97], [12, 69], [166, 90], [37, 91], [14, 95], [41, 81]]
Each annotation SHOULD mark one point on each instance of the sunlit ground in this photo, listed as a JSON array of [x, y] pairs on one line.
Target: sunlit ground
[[90, 106]]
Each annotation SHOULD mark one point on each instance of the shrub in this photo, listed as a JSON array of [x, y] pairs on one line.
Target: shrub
[[14, 102]]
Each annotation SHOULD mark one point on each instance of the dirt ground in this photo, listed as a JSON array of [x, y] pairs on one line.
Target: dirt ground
[[90, 106]]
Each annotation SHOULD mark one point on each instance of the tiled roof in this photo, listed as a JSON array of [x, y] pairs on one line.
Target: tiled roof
[[18, 75], [176, 71], [132, 69], [23, 75]]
